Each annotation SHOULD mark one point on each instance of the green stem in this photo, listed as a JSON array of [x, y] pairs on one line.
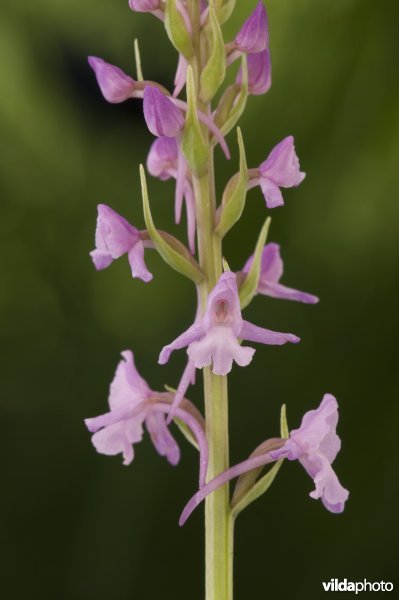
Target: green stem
[[218, 520]]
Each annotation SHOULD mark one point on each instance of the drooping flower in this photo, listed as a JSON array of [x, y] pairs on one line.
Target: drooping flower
[[128, 388], [116, 237], [213, 338], [163, 118], [132, 405], [253, 35], [279, 170], [114, 84], [165, 160], [259, 73], [271, 272], [316, 444]]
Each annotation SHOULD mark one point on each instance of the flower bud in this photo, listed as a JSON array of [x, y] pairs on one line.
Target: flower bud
[[114, 84], [144, 5], [259, 73], [162, 158], [163, 118], [253, 35], [177, 25], [214, 71]]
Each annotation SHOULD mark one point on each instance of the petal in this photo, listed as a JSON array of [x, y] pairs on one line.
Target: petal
[[317, 432], [328, 487], [101, 259], [259, 73], [253, 35], [226, 292], [282, 165], [219, 347], [127, 386], [137, 264], [181, 75], [271, 265], [163, 118], [119, 438], [162, 158], [193, 333], [161, 437], [253, 333], [114, 235], [144, 5], [114, 84], [276, 290], [271, 193]]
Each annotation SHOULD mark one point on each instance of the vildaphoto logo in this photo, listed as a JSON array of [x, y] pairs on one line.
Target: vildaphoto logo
[[335, 585]]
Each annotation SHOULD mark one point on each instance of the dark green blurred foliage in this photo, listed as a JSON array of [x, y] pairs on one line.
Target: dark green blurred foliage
[[76, 525]]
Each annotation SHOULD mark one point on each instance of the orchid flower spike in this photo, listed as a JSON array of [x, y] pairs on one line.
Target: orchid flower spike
[[165, 160], [279, 170], [116, 237], [163, 118], [213, 338], [116, 432], [271, 271], [316, 444], [114, 84], [259, 73]]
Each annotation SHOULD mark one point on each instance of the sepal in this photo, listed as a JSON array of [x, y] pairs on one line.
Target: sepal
[[176, 29], [248, 488], [247, 289], [233, 101], [214, 71], [172, 251], [233, 200], [194, 146]]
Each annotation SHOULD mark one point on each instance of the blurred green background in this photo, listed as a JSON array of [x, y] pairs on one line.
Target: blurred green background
[[76, 525]]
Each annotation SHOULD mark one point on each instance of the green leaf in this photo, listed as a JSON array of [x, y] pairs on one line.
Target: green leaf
[[172, 251], [177, 30], [233, 102], [284, 431], [194, 145], [257, 490], [137, 58], [251, 489], [186, 431], [214, 71], [224, 9], [249, 285], [233, 200]]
